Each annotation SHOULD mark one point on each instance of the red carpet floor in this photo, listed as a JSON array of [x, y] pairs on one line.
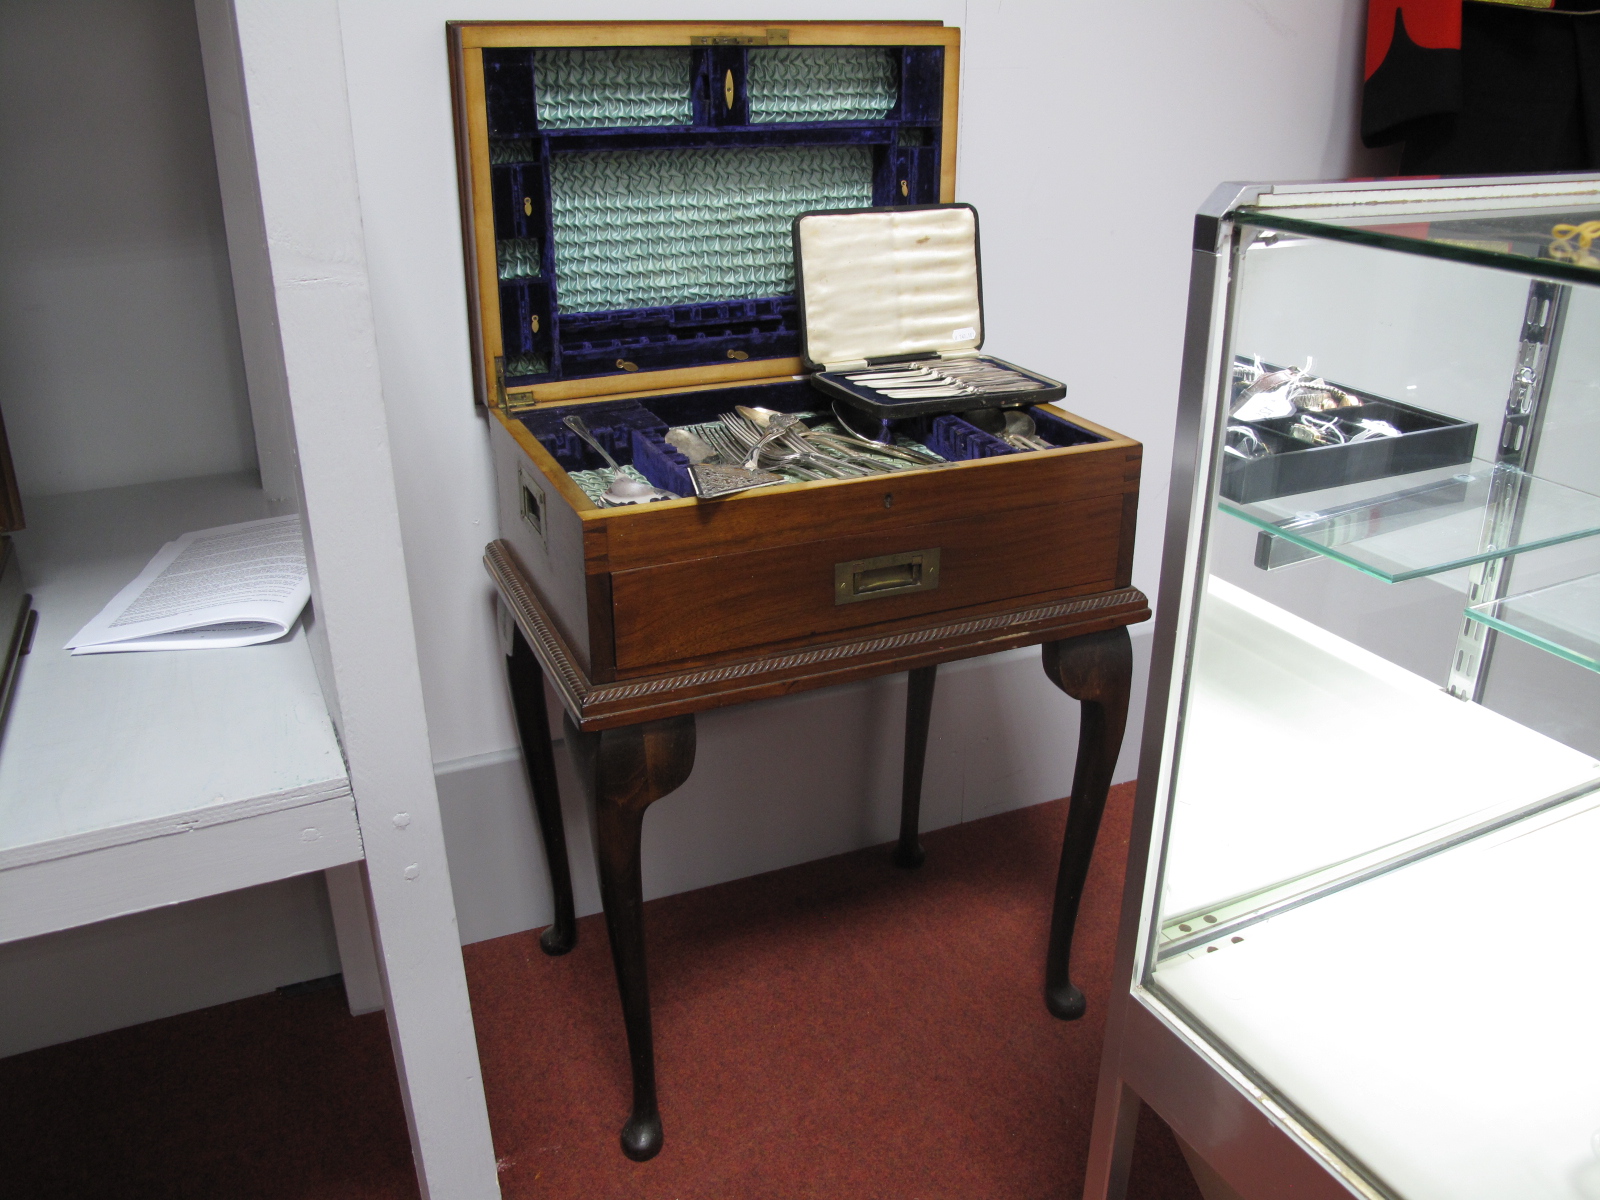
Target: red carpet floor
[[839, 1029]]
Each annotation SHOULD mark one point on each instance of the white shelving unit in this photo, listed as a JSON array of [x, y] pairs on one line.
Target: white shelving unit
[[131, 781]]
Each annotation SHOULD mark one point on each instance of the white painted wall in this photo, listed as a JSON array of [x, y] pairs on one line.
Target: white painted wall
[[1089, 134]]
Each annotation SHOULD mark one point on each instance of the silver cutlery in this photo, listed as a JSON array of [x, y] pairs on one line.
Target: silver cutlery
[[719, 475], [689, 444], [622, 489], [946, 381], [1011, 425], [784, 432], [842, 416]]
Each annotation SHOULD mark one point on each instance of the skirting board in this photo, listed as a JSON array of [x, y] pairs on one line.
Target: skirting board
[[162, 962], [777, 783]]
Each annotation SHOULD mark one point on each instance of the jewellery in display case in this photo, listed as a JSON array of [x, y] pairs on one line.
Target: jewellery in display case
[[1244, 442], [1263, 395], [1290, 431], [1563, 250]]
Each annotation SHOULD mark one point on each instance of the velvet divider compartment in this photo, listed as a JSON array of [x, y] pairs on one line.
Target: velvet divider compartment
[[634, 431], [642, 196]]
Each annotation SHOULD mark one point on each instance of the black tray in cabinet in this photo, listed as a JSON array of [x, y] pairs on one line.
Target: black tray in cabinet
[[1427, 439]]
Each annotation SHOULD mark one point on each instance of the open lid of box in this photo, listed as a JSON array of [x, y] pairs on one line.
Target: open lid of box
[[882, 285], [628, 188]]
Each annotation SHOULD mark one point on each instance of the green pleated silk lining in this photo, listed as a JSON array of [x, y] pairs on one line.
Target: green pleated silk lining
[[641, 228], [612, 87], [526, 364], [505, 152], [518, 257], [821, 83], [619, 87]]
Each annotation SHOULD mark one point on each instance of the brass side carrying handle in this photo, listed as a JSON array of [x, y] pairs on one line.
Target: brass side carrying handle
[[888, 575]]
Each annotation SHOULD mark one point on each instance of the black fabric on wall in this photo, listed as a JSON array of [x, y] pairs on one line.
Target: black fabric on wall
[[1412, 83], [1530, 103]]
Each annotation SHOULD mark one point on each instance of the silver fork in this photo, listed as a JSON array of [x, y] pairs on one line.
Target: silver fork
[[799, 457], [799, 449]]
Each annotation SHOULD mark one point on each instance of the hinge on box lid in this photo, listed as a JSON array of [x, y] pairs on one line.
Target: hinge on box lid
[[507, 402]]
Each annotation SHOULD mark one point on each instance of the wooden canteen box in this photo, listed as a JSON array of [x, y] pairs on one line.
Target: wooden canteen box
[[628, 191]]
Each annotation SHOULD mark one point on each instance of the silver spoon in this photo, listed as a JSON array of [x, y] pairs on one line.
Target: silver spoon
[[623, 489]]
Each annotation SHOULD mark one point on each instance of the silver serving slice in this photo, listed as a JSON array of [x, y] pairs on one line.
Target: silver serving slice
[[713, 480]]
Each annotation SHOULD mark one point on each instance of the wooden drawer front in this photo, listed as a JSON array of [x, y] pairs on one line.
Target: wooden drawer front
[[713, 605]]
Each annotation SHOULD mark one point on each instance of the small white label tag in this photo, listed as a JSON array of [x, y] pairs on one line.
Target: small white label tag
[[965, 333]]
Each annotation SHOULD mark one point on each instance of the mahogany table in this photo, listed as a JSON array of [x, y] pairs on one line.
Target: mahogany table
[[634, 740]]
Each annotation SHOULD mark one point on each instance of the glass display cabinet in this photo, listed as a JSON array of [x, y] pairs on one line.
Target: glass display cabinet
[[1356, 952]]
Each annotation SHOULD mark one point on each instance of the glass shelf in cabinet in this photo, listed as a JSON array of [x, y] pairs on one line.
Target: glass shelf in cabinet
[[1563, 619], [1406, 527], [1521, 238]]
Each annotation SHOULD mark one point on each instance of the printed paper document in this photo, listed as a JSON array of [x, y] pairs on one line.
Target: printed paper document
[[235, 585]]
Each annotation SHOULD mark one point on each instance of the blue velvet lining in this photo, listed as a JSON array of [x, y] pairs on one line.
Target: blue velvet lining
[[651, 338], [905, 148], [634, 431]]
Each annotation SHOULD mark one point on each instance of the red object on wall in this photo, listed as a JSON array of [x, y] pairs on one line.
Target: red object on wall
[[1431, 24], [1413, 66]]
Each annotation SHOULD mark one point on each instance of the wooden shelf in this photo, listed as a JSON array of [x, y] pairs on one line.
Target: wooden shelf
[[129, 781]]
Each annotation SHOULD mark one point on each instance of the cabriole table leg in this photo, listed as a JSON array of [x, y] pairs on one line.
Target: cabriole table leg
[[625, 771], [919, 707], [1095, 669], [538, 757]]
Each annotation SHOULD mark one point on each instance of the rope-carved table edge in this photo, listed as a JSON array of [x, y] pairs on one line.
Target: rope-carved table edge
[[595, 706]]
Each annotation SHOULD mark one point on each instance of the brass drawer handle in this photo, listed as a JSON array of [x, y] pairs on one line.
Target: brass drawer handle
[[889, 575]]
